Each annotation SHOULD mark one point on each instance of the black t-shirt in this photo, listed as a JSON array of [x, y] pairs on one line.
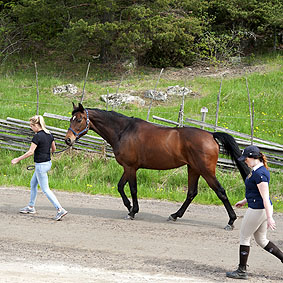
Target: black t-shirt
[[43, 142]]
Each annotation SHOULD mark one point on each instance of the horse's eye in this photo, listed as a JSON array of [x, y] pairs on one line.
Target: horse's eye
[[79, 120]]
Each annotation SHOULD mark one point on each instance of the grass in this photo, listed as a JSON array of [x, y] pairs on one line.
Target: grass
[[89, 173]]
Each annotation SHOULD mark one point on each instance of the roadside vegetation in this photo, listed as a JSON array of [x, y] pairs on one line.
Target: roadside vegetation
[[78, 171]]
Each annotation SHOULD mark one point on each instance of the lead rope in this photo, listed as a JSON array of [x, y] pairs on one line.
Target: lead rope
[[32, 167]]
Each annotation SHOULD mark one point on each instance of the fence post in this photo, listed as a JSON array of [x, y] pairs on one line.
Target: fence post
[[86, 75], [203, 111], [251, 114], [252, 123], [37, 90], [153, 94], [107, 97], [217, 108], [181, 112]]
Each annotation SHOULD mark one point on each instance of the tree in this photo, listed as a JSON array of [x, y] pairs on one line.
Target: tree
[[158, 33]]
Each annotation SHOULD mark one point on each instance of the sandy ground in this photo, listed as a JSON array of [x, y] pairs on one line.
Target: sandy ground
[[94, 243]]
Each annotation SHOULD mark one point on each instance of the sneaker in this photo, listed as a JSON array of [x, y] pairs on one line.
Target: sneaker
[[240, 273], [60, 214], [28, 209]]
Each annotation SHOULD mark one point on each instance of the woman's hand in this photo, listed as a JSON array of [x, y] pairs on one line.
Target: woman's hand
[[271, 223], [241, 203], [15, 161]]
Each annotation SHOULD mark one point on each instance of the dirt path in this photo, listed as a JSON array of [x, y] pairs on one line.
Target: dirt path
[[94, 243]]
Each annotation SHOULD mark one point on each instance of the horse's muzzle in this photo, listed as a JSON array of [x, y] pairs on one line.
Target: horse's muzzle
[[68, 141]]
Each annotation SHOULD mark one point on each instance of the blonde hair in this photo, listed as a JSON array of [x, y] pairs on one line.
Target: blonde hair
[[38, 120]]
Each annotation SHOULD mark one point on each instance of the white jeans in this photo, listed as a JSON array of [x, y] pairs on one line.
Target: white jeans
[[254, 223], [40, 177]]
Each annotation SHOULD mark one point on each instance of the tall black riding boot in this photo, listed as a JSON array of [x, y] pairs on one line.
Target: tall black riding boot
[[271, 248], [241, 272]]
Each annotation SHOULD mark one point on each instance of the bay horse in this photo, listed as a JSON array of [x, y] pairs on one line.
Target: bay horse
[[139, 144]]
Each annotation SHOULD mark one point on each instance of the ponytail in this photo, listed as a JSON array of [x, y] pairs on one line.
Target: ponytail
[[38, 119], [263, 159]]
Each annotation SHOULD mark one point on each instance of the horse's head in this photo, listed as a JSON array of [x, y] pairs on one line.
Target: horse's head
[[79, 124]]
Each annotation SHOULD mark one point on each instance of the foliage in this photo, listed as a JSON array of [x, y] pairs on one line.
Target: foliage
[[155, 33]]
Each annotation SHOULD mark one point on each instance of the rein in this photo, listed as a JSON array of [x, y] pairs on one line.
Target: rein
[[32, 167], [60, 151], [85, 130]]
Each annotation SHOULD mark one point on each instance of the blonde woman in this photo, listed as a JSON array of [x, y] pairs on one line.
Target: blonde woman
[[40, 148]]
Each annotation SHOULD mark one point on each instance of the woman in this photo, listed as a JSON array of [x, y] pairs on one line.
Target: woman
[[40, 147], [258, 217]]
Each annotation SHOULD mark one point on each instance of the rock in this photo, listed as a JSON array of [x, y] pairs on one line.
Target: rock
[[178, 91], [156, 95], [69, 88], [122, 98]]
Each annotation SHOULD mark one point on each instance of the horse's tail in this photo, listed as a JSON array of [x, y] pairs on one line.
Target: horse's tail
[[231, 148]]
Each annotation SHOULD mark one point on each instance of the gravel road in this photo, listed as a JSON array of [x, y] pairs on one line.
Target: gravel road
[[94, 243]]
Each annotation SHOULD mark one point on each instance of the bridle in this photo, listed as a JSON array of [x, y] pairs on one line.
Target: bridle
[[85, 130]]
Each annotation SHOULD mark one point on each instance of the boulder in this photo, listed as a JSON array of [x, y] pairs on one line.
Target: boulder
[[155, 95], [178, 91], [122, 98], [69, 88]]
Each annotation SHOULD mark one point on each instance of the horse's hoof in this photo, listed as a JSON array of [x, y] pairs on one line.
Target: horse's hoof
[[129, 217], [229, 227], [170, 218]]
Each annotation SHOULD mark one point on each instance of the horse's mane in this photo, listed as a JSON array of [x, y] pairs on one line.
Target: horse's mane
[[113, 114], [107, 114], [110, 116]]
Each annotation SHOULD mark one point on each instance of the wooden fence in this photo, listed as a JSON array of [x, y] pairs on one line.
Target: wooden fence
[[16, 135], [272, 150]]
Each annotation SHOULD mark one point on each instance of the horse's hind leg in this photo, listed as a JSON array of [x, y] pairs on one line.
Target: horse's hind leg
[[121, 186], [220, 192], [193, 178]]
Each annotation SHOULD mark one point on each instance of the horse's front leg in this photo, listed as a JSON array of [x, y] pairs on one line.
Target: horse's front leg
[[123, 181], [133, 187]]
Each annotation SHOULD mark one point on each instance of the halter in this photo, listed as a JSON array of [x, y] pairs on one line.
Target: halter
[[85, 130]]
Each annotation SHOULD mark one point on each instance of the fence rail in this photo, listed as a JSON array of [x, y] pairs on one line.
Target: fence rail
[[16, 135], [272, 150]]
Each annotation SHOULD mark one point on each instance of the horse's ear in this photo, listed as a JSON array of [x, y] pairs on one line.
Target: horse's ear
[[81, 108], [74, 106]]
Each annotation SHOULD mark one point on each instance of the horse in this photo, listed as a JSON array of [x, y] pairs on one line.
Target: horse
[[140, 144]]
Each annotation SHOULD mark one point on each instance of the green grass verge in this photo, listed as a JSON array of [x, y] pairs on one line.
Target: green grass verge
[[88, 173]]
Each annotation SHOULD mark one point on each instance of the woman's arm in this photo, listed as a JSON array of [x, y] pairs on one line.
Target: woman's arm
[[53, 147], [264, 192], [29, 153]]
